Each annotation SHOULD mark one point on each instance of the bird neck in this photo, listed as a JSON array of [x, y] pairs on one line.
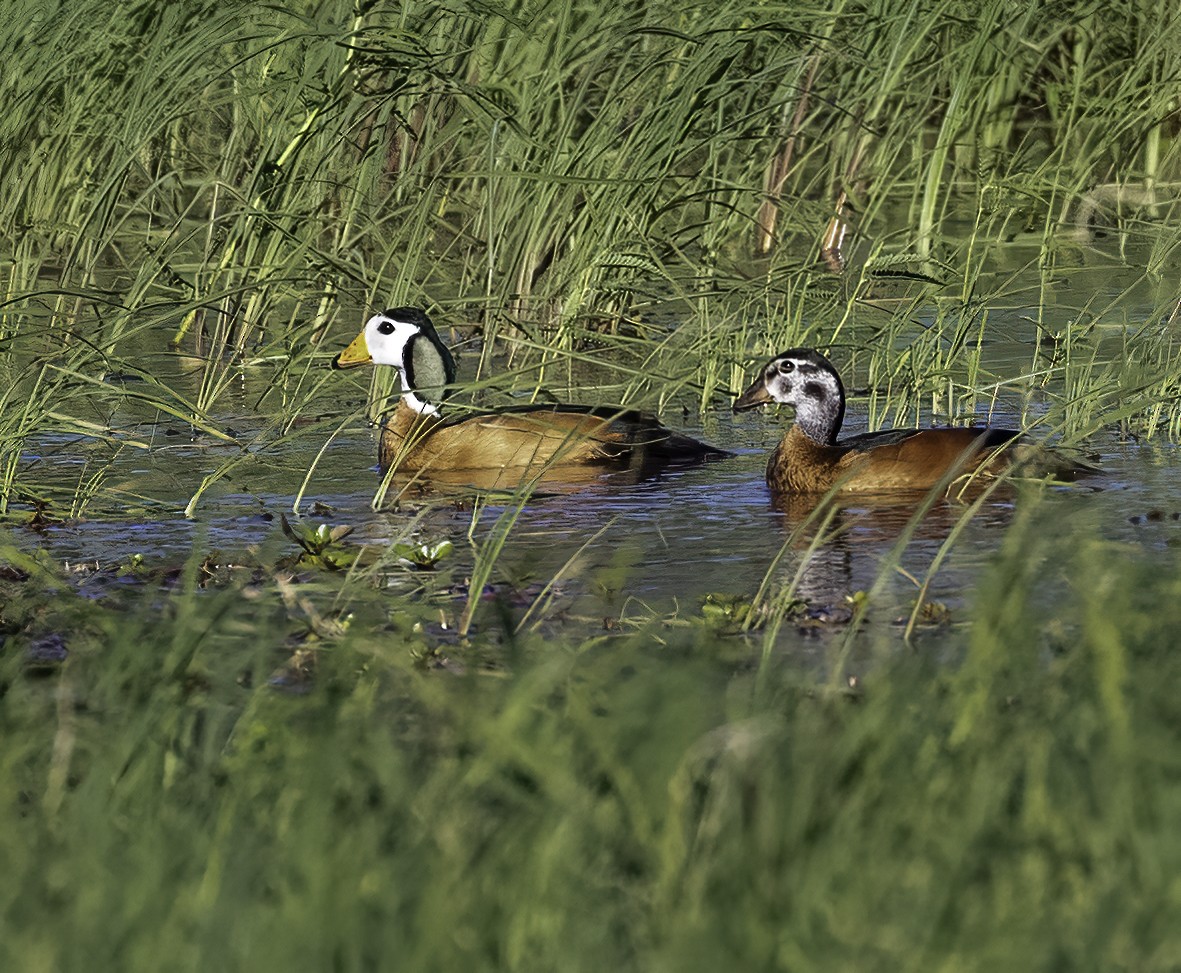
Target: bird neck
[[820, 419], [412, 400], [402, 431], [419, 406], [410, 418]]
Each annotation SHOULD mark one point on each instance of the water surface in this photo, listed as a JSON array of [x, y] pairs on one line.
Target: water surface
[[619, 550]]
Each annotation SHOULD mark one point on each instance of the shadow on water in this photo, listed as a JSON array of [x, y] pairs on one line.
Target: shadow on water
[[662, 545]]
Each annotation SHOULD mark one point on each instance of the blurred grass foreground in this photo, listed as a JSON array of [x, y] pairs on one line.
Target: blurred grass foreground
[[1005, 797]]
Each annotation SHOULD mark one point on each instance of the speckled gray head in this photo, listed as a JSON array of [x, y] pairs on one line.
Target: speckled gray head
[[805, 379]]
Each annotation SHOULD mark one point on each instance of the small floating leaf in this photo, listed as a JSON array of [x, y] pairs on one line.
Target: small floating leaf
[[423, 555]]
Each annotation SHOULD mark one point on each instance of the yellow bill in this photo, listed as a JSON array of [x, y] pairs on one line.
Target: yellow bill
[[357, 353]]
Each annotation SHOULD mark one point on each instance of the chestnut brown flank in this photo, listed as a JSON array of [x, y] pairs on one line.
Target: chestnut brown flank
[[561, 443], [809, 458]]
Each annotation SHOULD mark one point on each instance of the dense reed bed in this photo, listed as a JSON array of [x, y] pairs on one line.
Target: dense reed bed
[[972, 207], [649, 181]]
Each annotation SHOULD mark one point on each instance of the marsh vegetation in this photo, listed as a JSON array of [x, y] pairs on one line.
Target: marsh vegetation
[[260, 710]]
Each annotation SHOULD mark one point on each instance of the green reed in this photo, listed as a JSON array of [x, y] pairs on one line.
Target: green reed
[[234, 173], [209, 197], [600, 202]]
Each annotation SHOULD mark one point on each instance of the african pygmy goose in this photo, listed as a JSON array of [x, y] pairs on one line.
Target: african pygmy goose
[[550, 443], [810, 460]]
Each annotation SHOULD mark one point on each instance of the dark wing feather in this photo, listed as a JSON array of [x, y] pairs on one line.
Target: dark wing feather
[[627, 430], [989, 438]]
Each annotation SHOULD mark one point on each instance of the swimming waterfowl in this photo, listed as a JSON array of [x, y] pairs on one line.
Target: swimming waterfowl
[[810, 460], [552, 443]]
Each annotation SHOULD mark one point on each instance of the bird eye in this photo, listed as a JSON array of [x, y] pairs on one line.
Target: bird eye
[[386, 326], [787, 366]]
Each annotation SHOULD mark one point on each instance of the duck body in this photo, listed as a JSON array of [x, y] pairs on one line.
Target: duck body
[[532, 437], [915, 459], [810, 460], [548, 443]]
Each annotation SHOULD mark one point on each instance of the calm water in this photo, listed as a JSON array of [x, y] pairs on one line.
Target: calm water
[[654, 548]]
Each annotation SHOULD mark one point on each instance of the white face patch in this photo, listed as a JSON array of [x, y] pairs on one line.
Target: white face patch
[[387, 339], [779, 380]]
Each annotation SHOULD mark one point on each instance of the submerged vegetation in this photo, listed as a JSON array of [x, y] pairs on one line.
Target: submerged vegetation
[[339, 743]]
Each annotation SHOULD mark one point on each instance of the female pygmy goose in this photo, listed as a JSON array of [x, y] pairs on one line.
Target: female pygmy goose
[[551, 442], [810, 460]]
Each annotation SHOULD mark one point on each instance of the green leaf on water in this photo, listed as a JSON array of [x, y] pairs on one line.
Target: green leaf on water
[[423, 556]]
